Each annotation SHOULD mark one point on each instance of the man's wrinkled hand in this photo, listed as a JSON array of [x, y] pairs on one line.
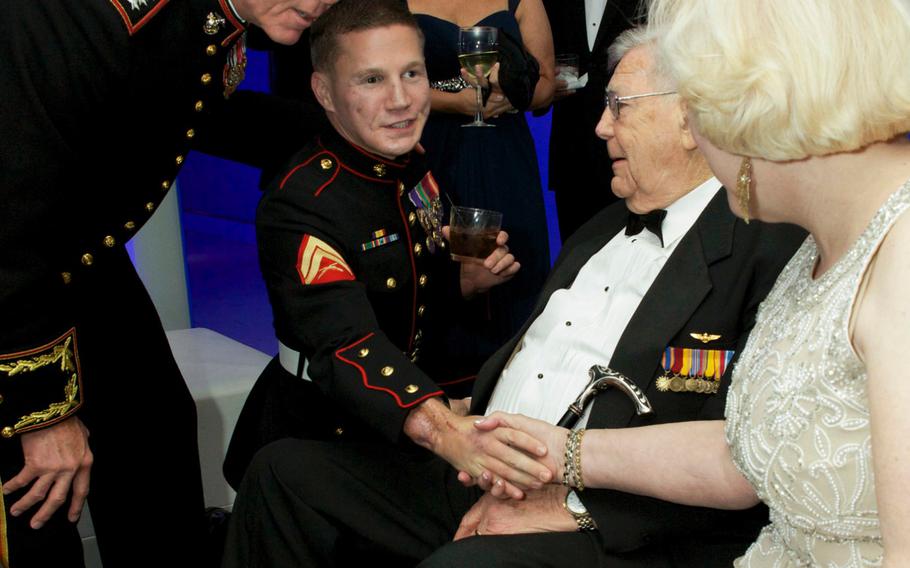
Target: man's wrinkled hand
[[57, 458], [460, 406], [541, 511]]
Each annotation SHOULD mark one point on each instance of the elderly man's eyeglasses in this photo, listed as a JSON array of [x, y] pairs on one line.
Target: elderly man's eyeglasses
[[614, 103]]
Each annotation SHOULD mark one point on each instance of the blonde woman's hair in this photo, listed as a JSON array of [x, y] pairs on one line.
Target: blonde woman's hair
[[787, 79]]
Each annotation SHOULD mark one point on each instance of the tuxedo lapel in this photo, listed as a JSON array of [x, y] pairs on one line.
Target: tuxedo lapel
[[576, 21], [616, 17], [674, 296]]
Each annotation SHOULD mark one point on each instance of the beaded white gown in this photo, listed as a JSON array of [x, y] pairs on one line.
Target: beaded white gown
[[798, 413]]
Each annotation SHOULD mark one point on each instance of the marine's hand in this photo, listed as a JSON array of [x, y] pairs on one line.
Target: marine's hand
[[56, 458], [497, 268], [514, 457], [541, 511]]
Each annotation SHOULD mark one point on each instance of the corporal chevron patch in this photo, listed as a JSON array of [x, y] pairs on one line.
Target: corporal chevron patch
[[135, 13], [319, 263]]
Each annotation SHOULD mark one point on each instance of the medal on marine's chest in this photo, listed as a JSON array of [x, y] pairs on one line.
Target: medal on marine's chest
[[425, 198], [235, 67]]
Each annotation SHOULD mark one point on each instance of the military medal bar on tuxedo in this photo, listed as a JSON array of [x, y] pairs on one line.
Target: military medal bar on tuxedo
[[693, 370]]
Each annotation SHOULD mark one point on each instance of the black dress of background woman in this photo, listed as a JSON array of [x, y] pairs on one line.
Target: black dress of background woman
[[489, 168]]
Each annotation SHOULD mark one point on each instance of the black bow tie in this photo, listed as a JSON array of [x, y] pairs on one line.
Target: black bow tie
[[650, 221]]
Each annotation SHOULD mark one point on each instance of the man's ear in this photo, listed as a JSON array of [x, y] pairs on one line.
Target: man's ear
[[319, 82], [685, 132]]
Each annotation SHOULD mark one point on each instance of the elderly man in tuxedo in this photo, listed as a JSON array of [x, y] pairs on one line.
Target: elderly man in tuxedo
[[662, 286]]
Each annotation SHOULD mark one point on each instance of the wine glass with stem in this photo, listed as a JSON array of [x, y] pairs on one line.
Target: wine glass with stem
[[477, 53]]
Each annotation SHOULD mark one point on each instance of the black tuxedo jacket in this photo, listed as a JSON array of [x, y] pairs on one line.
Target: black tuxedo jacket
[[712, 283], [577, 155]]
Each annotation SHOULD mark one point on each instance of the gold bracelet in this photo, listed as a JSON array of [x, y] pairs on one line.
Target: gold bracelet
[[572, 468], [576, 465]]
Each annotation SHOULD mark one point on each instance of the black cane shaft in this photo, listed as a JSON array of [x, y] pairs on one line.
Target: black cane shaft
[[568, 420]]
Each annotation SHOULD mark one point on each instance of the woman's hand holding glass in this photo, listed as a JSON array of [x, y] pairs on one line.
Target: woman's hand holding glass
[[477, 53]]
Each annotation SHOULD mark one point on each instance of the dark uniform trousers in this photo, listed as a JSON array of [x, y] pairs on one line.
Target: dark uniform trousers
[[327, 504]]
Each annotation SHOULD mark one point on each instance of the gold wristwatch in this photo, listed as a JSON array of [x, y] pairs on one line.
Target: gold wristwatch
[[578, 511]]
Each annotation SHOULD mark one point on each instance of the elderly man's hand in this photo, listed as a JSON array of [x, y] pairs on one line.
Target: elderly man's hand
[[497, 268], [57, 458], [542, 510]]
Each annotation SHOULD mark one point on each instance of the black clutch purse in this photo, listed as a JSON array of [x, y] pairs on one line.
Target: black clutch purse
[[519, 71]]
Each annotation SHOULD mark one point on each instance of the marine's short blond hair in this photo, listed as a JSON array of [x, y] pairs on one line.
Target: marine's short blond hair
[[787, 79]]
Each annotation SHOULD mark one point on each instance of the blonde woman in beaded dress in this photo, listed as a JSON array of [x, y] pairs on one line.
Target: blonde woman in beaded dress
[[803, 106]]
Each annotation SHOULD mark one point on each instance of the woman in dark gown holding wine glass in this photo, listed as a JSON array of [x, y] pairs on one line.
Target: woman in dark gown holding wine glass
[[489, 168]]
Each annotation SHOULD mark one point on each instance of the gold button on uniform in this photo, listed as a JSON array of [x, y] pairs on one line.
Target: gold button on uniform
[[387, 371], [418, 249], [190, 133], [421, 310], [400, 189], [198, 106], [109, 241], [411, 389], [422, 280], [149, 206], [211, 50], [129, 225], [165, 185], [363, 352], [7, 432], [87, 259], [412, 218], [179, 159], [379, 170], [339, 431], [391, 283], [326, 164], [206, 78], [67, 277]]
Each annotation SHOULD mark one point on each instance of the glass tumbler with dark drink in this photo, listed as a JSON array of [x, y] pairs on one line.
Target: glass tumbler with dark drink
[[472, 233]]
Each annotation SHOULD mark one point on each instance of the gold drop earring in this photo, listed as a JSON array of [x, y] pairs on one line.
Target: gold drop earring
[[743, 186]]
